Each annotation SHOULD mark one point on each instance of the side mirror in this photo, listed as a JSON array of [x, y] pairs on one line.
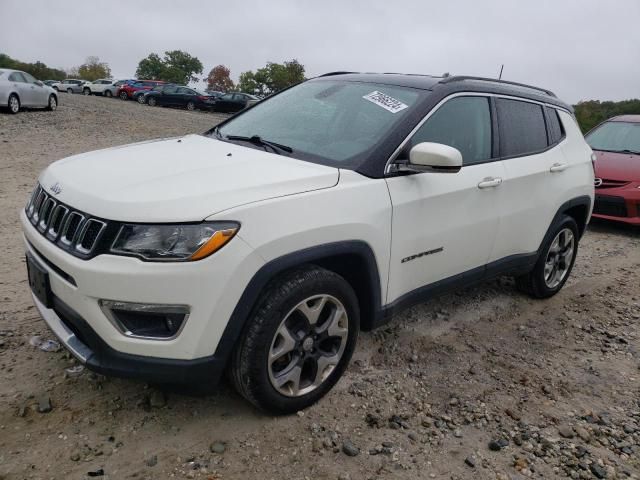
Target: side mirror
[[39, 83], [432, 157]]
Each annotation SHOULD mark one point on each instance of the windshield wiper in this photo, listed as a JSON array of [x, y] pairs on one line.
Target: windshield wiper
[[257, 140], [626, 150]]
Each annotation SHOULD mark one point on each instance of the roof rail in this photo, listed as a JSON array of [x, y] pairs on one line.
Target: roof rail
[[335, 73], [461, 78]]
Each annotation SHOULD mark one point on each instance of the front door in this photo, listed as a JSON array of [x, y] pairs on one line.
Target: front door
[[444, 224]]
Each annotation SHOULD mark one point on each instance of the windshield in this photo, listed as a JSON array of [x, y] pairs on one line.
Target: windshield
[[616, 137], [330, 122]]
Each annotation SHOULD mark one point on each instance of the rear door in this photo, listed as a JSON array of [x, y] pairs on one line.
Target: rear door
[[535, 174], [168, 96], [223, 104], [444, 224], [19, 82]]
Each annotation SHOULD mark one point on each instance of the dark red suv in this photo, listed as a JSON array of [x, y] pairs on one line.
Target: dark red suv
[[616, 143], [126, 90]]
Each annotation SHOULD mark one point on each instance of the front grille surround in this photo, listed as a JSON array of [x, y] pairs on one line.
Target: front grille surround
[[70, 229]]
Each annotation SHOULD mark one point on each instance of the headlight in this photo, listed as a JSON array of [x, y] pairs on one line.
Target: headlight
[[173, 242]]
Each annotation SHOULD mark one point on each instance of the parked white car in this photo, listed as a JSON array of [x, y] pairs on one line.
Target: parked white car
[[70, 85], [265, 245], [21, 90], [98, 87]]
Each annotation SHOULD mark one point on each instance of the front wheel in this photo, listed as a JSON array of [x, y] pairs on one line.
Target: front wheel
[[141, 99], [298, 341], [152, 101], [86, 91], [69, 90], [124, 96], [191, 106], [558, 254], [52, 104], [108, 93]]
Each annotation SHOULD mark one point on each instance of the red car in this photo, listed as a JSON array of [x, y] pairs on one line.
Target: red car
[[616, 143], [126, 90]]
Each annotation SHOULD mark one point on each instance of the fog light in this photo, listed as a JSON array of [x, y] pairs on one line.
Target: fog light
[[145, 320]]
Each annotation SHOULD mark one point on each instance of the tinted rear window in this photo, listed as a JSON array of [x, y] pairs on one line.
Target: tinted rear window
[[556, 132], [522, 127]]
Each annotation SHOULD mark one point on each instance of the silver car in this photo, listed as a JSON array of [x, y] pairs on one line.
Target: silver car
[[70, 85], [21, 90]]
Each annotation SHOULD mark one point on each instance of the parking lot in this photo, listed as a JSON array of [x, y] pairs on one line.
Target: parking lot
[[425, 396]]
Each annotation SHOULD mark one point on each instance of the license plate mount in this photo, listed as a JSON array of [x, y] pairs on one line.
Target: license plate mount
[[39, 281]]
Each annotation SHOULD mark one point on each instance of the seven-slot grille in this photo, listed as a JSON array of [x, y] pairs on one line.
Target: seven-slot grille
[[68, 228]]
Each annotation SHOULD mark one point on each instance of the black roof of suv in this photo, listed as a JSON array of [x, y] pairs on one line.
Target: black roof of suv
[[452, 84]]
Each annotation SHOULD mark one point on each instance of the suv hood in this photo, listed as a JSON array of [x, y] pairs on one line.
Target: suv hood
[[617, 166], [179, 179]]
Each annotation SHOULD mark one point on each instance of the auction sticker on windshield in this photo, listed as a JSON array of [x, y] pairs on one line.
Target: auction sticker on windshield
[[385, 101]]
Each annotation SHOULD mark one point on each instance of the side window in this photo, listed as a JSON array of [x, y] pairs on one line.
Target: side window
[[17, 77], [556, 130], [522, 127], [463, 123], [170, 90], [227, 97], [29, 78], [184, 91]]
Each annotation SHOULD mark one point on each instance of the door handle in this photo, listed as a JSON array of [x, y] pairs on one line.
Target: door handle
[[490, 182], [558, 167]]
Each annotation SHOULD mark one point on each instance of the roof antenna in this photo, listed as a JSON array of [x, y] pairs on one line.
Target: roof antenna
[[501, 68]]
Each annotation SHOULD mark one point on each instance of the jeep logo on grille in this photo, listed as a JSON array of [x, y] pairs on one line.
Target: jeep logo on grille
[[56, 188], [597, 182]]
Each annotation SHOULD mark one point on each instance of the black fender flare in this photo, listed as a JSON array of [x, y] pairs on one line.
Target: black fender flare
[[312, 255], [582, 201]]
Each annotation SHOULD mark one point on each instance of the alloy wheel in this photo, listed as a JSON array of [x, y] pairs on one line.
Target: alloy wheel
[[308, 345], [14, 104], [559, 257], [53, 104]]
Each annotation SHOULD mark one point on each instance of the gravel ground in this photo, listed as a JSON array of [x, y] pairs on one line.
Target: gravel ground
[[482, 383]]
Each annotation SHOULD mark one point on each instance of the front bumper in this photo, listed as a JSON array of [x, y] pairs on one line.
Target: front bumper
[[619, 204], [85, 345]]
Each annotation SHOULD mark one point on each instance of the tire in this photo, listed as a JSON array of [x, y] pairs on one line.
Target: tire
[[554, 265], [108, 93], [13, 103], [140, 99], [279, 340], [124, 96], [52, 104], [69, 90], [191, 106], [86, 91], [151, 101]]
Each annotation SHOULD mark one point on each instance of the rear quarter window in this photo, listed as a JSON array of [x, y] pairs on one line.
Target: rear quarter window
[[522, 127]]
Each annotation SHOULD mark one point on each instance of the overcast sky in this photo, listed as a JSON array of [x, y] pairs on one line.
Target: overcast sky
[[581, 49]]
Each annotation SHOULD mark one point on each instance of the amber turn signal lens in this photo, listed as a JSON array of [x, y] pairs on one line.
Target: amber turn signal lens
[[215, 243]]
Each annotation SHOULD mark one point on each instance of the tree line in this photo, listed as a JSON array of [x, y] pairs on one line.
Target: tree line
[[592, 112], [180, 67]]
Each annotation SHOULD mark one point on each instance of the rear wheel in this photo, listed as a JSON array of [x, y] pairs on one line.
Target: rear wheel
[[69, 90], [191, 106], [108, 93], [52, 104], [152, 101], [298, 341], [13, 103], [86, 91], [555, 263]]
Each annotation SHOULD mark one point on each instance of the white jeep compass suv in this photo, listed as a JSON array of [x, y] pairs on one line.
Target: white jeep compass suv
[[263, 246]]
